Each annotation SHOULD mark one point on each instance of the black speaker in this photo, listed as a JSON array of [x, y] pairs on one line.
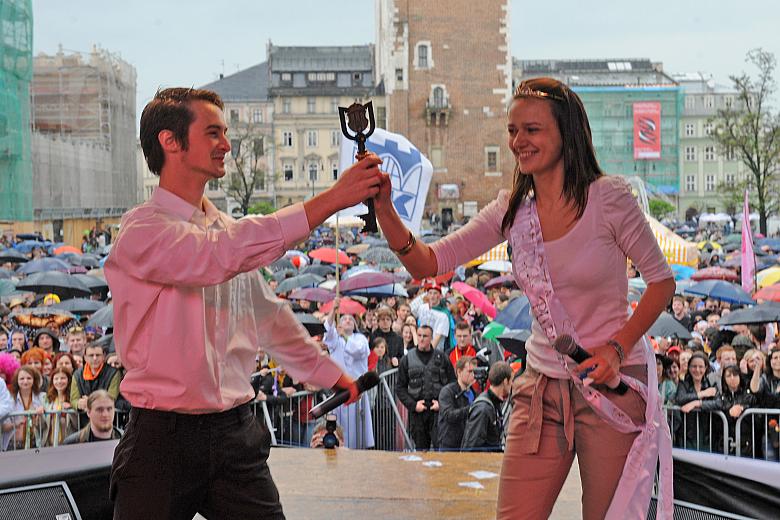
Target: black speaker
[[51, 501]]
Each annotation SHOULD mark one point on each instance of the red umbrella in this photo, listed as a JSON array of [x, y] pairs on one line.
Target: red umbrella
[[366, 280], [347, 306], [476, 297], [328, 255], [312, 294], [500, 280], [715, 273], [769, 293], [440, 280], [67, 249]]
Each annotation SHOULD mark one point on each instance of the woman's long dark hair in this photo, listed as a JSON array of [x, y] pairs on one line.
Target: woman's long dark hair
[[579, 158]]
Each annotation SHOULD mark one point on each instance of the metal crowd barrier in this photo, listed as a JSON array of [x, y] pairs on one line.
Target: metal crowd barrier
[[698, 431], [38, 430], [767, 433]]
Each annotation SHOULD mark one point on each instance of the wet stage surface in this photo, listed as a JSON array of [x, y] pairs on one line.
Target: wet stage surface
[[347, 484]]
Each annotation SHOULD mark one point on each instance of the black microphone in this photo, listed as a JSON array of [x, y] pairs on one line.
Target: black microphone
[[566, 345], [365, 382]]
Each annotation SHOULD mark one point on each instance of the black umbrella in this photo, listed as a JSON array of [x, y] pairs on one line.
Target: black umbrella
[[282, 263], [103, 318], [85, 260], [63, 285], [13, 256], [284, 273], [95, 283], [313, 326], [514, 341], [318, 269], [5, 274], [763, 313], [667, 326], [304, 280], [107, 342], [80, 305]]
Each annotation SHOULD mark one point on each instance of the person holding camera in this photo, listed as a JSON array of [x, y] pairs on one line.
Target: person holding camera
[[454, 401], [422, 374], [485, 423]]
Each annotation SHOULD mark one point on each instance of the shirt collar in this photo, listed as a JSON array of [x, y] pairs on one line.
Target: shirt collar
[[182, 208]]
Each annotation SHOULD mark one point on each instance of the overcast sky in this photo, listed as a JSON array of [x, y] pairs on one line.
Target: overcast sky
[[178, 42]]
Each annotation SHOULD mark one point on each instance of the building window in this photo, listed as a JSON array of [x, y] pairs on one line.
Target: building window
[[311, 138], [728, 101], [690, 153], [334, 137], [321, 76], [730, 179], [709, 101], [690, 102], [257, 147], [334, 105], [313, 171], [729, 154], [286, 76], [213, 184], [690, 183], [286, 106], [438, 97], [437, 157], [288, 171], [708, 128], [709, 153], [257, 116], [334, 169], [709, 182], [357, 77], [399, 74], [491, 159], [234, 115], [690, 130], [311, 105], [287, 139], [422, 56]]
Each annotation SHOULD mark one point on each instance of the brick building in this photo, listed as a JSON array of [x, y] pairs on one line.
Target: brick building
[[447, 75]]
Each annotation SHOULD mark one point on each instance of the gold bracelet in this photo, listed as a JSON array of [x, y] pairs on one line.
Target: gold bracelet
[[408, 247]]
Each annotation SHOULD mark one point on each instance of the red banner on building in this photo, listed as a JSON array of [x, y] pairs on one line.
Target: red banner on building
[[647, 130]]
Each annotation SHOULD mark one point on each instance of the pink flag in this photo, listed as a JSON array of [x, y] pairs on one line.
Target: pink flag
[[748, 258]]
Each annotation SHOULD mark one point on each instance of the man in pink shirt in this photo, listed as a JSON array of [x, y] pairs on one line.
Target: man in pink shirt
[[190, 312]]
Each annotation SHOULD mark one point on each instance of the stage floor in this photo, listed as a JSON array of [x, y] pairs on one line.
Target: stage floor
[[329, 484]]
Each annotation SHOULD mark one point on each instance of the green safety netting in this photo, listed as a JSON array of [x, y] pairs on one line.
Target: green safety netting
[[15, 76]]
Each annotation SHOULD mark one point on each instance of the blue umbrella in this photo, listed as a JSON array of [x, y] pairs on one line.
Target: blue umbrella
[[44, 264], [392, 289], [516, 315], [29, 245], [720, 290], [682, 272]]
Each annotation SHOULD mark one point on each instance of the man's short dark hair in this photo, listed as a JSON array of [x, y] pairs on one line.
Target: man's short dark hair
[[463, 325], [499, 372], [170, 110], [93, 345], [426, 327]]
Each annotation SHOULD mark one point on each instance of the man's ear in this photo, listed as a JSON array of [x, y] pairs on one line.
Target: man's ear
[[168, 141]]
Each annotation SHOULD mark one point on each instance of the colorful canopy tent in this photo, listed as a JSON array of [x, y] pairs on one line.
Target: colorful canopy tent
[[499, 252], [675, 248]]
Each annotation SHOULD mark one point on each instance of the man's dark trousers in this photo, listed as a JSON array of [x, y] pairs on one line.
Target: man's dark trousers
[[423, 428], [171, 465]]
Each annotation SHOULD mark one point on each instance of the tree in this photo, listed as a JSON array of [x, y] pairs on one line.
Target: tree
[[247, 173], [660, 208], [262, 208], [750, 131], [732, 195]]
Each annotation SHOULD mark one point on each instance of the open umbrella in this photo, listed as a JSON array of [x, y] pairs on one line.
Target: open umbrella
[[104, 318], [708, 245], [669, 327], [318, 269], [96, 284], [514, 341], [379, 255], [107, 342], [313, 326], [715, 273], [282, 274], [40, 317], [682, 272], [357, 249], [67, 249], [517, 314], [346, 306], [5, 274], [282, 263], [13, 256], [720, 290], [769, 293], [303, 280], [500, 280], [493, 330], [329, 255], [6, 287], [365, 280], [392, 289], [768, 277], [312, 294], [44, 264], [29, 245], [497, 266], [763, 313], [80, 305], [476, 297], [63, 285]]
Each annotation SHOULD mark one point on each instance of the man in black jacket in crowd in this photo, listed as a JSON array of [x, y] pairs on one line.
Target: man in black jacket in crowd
[[454, 402], [422, 373], [485, 423]]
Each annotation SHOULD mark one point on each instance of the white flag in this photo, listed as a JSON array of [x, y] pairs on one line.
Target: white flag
[[410, 172]]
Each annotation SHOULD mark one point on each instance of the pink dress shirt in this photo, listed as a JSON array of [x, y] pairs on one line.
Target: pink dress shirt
[[191, 309]]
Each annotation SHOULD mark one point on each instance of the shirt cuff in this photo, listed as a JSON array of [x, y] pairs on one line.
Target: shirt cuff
[[294, 224]]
